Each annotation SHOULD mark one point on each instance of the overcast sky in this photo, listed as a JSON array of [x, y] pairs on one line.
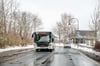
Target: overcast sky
[[50, 11]]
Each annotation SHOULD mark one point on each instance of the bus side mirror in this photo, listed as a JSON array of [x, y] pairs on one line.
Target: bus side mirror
[[32, 35], [52, 39]]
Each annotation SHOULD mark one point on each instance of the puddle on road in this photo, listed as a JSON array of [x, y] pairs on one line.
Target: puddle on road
[[40, 60], [43, 60], [30, 64]]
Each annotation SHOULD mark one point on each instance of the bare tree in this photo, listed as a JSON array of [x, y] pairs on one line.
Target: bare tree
[[65, 27], [16, 27], [57, 30], [95, 22], [26, 24], [6, 9], [2, 18], [36, 23], [12, 8]]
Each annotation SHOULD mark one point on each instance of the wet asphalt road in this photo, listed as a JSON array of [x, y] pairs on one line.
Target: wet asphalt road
[[71, 57], [60, 57]]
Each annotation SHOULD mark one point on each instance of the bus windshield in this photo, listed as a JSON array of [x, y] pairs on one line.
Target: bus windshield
[[43, 38]]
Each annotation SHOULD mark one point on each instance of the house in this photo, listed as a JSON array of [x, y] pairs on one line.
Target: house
[[83, 36]]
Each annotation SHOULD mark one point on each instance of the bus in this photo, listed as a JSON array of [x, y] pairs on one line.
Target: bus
[[43, 40]]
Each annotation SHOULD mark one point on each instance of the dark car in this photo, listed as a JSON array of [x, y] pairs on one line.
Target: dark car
[[67, 45]]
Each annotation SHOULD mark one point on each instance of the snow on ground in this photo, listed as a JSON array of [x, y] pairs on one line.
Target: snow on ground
[[82, 44], [59, 44], [86, 49], [83, 47], [26, 47], [16, 48]]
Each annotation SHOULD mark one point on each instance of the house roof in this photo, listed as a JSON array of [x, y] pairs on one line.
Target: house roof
[[87, 33]]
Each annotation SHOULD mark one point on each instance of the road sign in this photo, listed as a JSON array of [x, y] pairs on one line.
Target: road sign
[[78, 33]]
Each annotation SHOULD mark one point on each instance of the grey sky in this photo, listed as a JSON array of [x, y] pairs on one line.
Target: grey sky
[[50, 10]]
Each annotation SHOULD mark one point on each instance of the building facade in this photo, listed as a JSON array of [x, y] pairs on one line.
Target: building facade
[[83, 36]]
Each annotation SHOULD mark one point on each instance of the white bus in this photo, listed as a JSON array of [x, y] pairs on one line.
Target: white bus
[[43, 40]]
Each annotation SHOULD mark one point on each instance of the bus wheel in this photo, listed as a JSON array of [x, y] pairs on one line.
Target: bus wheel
[[37, 50], [50, 50]]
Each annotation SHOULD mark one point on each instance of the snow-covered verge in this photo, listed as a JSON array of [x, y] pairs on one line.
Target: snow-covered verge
[[13, 52], [84, 48], [87, 50], [16, 48]]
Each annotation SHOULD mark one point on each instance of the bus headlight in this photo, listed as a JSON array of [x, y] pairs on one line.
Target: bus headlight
[[35, 45], [51, 45]]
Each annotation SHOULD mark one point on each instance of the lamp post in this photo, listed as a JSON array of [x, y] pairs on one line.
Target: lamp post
[[70, 24], [59, 31], [59, 34], [77, 22]]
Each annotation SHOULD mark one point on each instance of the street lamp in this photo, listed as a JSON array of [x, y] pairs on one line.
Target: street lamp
[[70, 24], [77, 22], [72, 20]]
